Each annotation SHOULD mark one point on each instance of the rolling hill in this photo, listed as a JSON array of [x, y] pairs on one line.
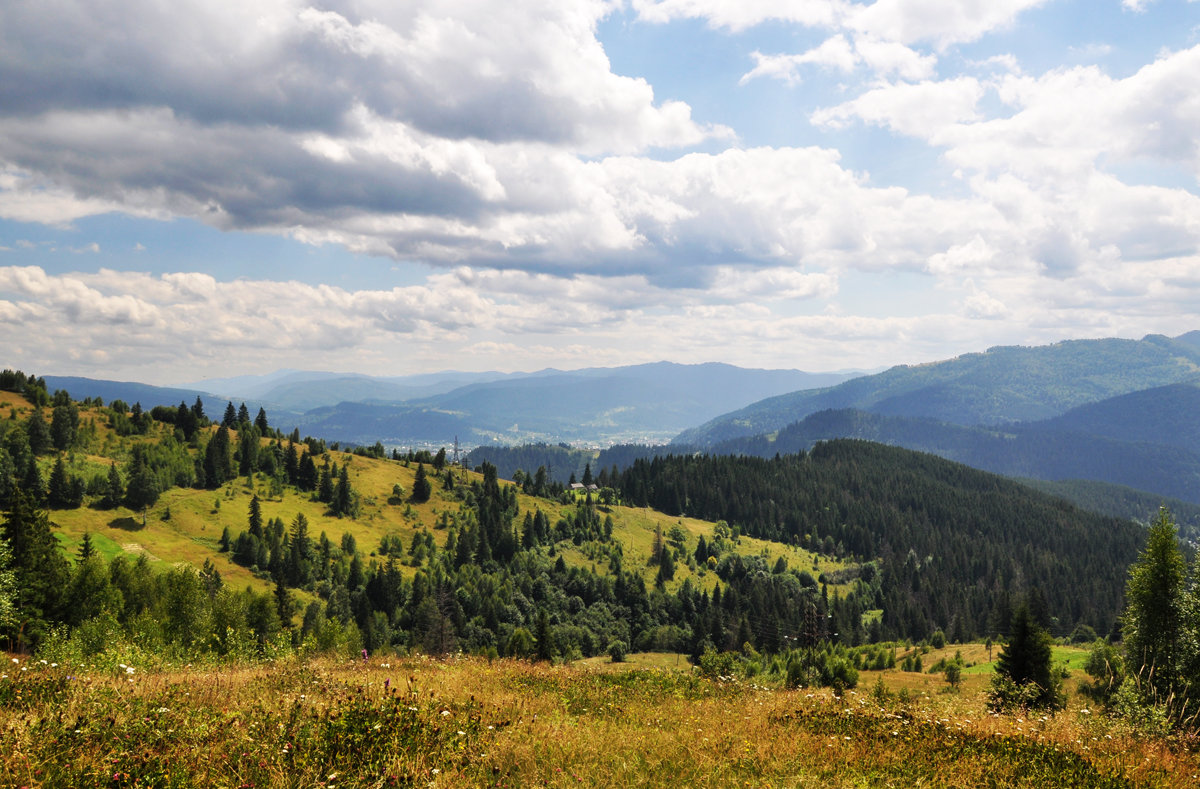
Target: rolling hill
[[1000, 386]]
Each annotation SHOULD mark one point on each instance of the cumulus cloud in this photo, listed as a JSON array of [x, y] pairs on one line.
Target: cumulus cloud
[[837, 53]]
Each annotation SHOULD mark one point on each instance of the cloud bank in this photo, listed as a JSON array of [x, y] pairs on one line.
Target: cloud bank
[[557, 204]]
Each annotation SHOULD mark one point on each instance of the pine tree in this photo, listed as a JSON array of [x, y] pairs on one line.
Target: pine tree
[[64, 425], [243, 415], [142, 491], [198, 412], [38, 433], [59, 494], [261, 423], [256, 522], [343, 495], [86, 550], [1152, 625], [40, 569], [116, 489], [33, 485], [422, 489], [1023, 669]]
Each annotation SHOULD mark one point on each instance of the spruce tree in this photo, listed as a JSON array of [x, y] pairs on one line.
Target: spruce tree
[[41, 570], [59, 495], [86, 550], [1024, 675], [64, 425], [116, 489], [261, 423], [142, 491], [343, 495], [422, 489], [1152, 625], [40, 442], [256, 522]]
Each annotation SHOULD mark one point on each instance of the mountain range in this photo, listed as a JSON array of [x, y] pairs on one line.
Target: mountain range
[[1117, 412], [648, 402]]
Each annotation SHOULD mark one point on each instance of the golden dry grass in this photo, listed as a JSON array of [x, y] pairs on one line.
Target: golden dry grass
[[419, 722]]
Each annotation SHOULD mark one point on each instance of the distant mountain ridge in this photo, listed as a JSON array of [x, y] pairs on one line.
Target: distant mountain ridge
[[1002, 385], [649, 402], [646, 402]]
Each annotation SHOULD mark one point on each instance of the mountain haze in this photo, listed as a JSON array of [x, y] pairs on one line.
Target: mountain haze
[[1002, 385]]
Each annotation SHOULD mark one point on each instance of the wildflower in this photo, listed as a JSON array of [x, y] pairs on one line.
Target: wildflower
[[15, 660], [445, 713]]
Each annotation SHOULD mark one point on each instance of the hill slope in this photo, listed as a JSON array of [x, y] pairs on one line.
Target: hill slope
[[1001, 385]]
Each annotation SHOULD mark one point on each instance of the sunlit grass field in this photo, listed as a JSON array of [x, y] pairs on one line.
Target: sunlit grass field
[[469, 722]]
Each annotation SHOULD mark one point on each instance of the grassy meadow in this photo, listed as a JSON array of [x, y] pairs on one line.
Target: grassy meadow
[[470, 722]]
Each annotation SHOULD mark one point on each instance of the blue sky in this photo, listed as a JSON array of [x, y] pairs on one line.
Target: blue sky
[[216, 188]]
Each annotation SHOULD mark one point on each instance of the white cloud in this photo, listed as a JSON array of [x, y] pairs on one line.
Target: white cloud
[[920, 110], [835, 53], [904, 21], [936, 21], [881, 57], [746, 14]]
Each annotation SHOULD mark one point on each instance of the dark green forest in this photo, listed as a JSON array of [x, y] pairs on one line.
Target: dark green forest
[[953, 543]]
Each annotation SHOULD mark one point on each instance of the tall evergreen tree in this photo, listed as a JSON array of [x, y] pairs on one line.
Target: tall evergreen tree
[[260, 421], [256, 521], [61, 493], [1025, 663], [1152, 625], [64, 425], [243, 415], [41, 570], [142, 491], [115, 492], [343, 495], [422, 489], [40, 442], [198, 412], [229, 419], [218, 459]]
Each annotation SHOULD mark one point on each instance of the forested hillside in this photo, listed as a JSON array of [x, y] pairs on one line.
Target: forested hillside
[[223, 535], [952, 542], [1039, 450]]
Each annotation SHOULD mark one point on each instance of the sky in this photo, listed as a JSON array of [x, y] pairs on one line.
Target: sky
[[206, 188]]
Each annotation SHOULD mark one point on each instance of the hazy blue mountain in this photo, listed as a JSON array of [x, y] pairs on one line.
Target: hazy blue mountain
[[298, 390], [1033, 450], [1001, 385], [649, 402], [366, 423], [1162, 415], [131, 392]]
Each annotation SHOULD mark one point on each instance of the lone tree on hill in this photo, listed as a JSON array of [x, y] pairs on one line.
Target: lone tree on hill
[[422, 488], [1024, 675]]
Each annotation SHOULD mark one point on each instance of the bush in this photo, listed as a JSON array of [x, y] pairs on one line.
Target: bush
[[616, 651]]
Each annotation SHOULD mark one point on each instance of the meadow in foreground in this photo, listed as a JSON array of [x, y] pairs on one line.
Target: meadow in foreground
[[470, 722]]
